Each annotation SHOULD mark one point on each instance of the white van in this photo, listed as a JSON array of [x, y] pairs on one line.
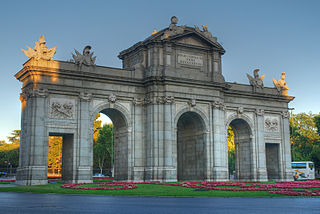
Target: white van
[[303, 170]]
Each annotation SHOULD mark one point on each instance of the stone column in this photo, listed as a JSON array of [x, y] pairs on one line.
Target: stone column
[[159, 140], [33, 162], [170, 173], [220, 147], [151, 143], [83, 161], [260, 147], [138, 140], [286, 149]]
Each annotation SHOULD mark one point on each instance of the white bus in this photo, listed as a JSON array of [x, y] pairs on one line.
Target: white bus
[[303, 170]]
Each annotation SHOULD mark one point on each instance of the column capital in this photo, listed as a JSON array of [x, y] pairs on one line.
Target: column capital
[[85, 96], [259, 112]]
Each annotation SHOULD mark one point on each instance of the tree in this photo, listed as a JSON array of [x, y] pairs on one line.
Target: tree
[[305, 137], [317, 122], [231, 150], [103, 148], [96, 128], [15, 136], [9, 155], [55, 152]]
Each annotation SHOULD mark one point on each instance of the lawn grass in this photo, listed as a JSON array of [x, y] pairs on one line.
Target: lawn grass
[[142, 190]]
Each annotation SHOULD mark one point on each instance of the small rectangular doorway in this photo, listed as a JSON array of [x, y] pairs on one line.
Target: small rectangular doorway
[[272, 161], [60, 157]]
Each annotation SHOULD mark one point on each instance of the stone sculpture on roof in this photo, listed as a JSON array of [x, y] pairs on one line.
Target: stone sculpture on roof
[[281, 84], [256, 81], [173, 29], [40, 51], [85, 58]]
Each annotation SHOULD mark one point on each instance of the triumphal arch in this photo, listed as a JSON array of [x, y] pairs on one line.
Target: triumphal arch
[[171, 108]]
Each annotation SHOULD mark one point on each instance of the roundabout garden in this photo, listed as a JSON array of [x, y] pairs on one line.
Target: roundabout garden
[[106, 186], [291, 188]]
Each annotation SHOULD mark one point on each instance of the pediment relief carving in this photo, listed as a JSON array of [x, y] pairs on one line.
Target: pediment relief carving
[[192, 40]]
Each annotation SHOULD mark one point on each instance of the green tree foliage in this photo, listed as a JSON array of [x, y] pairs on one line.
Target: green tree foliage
[[103, 148], [55, 152], [96, 128], [305, 138], [231, 150], [9, 155], [9, 152], [15, 136], [317, 122]]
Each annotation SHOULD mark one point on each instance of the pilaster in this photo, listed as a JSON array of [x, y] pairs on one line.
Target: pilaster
[[260, 147], [220, 147]]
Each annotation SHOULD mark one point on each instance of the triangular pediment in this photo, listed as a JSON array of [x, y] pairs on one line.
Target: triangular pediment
[[192, 37], [184, 35], [194, 41]]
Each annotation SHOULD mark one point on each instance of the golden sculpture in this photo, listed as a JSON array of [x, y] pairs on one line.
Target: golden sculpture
[[40, 51], [204, 28], [281, 84], [154, 32]]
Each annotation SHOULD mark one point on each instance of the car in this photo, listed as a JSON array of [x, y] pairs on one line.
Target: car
[[98, 175]]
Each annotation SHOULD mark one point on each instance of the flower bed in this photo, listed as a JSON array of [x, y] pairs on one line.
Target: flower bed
[[102, 186], [294, 188]]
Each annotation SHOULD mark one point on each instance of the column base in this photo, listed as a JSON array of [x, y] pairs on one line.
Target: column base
[[220, 174], [31, 175]]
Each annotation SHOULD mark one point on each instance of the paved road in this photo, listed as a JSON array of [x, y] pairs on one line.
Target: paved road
[[56, 203]]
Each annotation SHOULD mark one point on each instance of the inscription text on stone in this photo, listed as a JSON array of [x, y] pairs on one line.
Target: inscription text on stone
[[188, 59]]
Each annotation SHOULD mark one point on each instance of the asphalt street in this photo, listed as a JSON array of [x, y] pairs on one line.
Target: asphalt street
[[58, 203]]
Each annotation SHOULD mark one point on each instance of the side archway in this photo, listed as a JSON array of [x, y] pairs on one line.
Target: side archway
[[191, 144], [121, 138], [244, 166]]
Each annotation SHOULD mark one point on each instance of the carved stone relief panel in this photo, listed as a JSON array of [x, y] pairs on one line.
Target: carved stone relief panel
[[61, 108], [271, 123]]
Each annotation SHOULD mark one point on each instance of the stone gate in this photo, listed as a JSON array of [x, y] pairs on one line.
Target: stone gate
[[171, 108]]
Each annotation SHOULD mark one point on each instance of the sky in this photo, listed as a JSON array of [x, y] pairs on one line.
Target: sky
[[272, 35]]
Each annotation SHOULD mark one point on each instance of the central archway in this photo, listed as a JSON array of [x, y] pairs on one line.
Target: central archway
[[191, 141], [120, 142], [243, 149]]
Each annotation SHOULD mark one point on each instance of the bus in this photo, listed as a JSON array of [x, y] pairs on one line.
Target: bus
[[303, 170]]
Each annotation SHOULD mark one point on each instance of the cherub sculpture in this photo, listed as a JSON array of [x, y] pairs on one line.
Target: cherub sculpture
[[256, 81], [40, 51], [281, 84], [86, 58]]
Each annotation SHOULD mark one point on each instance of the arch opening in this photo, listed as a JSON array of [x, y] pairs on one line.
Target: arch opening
[[115, 150], [243, 160], [191, 141]]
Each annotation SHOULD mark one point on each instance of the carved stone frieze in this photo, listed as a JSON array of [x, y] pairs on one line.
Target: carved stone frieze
[[33, 93], [158, 100], [271, 124], [62, 108]]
